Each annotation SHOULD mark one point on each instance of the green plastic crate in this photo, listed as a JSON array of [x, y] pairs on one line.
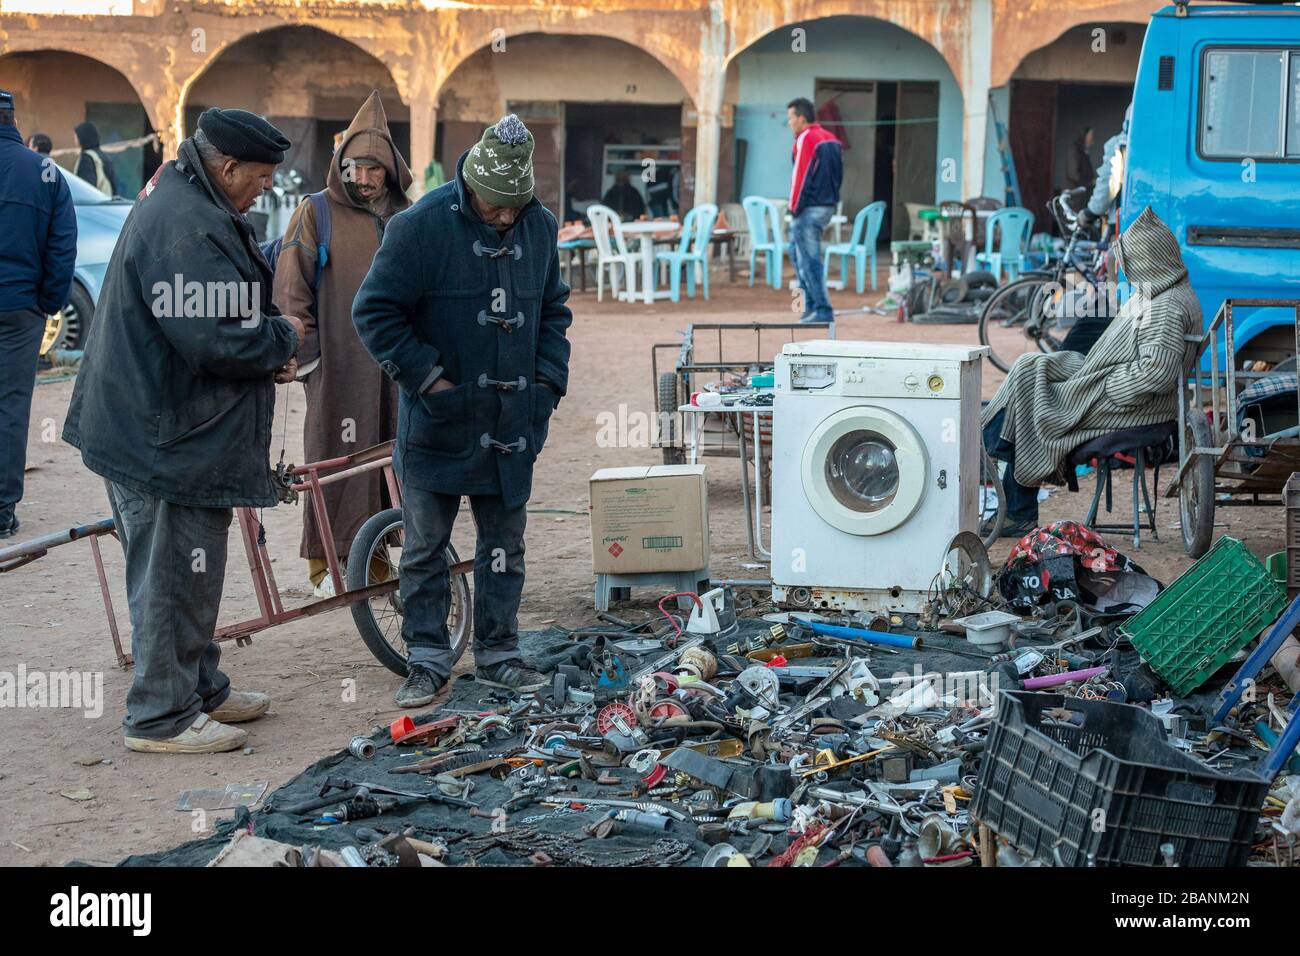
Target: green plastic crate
[[1210, 612]]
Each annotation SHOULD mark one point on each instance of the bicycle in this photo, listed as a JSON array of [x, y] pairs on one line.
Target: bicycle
[[1037, 310]]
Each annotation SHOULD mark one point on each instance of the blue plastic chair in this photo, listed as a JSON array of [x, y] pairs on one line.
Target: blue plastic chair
[[861, 244], [692, 249], [1006, 241], [765, 237]]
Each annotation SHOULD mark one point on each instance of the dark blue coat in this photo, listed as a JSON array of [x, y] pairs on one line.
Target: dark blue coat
[[38, 229], [449, 296]]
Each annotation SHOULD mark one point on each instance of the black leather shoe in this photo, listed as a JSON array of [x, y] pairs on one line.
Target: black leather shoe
[[10, 529]]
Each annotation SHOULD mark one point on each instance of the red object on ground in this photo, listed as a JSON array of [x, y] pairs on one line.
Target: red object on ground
[[400, 728]]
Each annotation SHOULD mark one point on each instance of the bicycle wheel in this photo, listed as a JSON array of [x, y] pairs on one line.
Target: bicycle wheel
[[375, 557], [1005, 321], [1196, 490]]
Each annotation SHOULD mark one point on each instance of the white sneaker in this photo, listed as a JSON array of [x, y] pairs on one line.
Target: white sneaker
[[204, 736], [240, 706], [326, 587]]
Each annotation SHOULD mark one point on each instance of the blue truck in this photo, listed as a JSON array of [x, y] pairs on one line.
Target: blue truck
[[1214, 148]]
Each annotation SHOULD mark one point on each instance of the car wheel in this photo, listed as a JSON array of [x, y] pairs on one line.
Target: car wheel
[[68, 328]]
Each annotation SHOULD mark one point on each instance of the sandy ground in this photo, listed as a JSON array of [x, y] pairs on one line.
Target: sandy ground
[[51, 617]]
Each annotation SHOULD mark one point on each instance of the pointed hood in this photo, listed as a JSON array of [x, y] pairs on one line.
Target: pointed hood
[[87, 135], [367, 137], [1149, 255]]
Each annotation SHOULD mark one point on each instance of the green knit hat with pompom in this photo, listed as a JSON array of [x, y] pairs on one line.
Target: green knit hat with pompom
[[499, 168]]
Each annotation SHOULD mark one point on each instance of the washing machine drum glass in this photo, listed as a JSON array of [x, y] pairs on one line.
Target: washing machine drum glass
[[862, 471]]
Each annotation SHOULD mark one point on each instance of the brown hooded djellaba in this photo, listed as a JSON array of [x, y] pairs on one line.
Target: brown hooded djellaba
[[351, 404]]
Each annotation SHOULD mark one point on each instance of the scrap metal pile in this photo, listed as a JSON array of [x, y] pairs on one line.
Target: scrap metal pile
[[795, 740]]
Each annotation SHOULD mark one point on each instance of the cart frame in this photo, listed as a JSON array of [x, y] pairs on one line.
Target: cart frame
[[308, 479], [1224, 457], [671, 438]]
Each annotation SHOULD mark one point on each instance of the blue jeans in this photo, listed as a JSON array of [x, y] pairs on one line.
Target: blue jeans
[[428, 518], [20, 346], [806, 229], [1022, 500]]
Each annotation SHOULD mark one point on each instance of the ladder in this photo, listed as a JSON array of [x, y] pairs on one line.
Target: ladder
[[1004, 152]]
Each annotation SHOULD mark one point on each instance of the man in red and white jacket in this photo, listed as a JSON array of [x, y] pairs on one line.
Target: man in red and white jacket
[[814, 194]]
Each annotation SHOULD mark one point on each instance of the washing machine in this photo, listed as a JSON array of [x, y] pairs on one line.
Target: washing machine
[[875, 468]]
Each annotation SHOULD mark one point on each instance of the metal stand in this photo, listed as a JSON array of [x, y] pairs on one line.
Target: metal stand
[[618, 587], [1249, 669]]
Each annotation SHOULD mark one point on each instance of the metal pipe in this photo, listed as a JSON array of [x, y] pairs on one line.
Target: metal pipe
[[1054, 680], [862, 634], [37, 546]]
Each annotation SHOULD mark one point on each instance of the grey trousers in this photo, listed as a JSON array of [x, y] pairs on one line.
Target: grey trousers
[[175, 568], [427, 520]]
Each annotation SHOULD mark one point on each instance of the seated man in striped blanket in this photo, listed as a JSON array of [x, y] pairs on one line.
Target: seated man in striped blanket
[[1054, 402]]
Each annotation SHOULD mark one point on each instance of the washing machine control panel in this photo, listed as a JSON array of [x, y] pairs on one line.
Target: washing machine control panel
[[876, 377]]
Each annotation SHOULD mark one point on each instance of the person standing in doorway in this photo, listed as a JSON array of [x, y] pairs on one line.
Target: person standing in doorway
[[92, 165], [814, 194], [1078, 165]]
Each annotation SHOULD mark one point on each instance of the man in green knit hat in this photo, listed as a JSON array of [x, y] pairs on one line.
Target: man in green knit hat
[[464, 309]]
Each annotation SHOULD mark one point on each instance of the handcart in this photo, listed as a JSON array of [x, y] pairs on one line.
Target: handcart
[[370, 585], [742, 350], [1222, 461]]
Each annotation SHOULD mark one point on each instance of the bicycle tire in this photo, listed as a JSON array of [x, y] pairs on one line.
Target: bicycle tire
[[374, 534], [1004, 298]]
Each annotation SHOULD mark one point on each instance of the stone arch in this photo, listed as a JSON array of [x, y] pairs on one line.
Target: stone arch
[[1021, 29], [320, 80], [893, 90], [55, 89]]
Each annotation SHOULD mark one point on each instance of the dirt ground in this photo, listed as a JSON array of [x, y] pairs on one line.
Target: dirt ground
[[51, 616]]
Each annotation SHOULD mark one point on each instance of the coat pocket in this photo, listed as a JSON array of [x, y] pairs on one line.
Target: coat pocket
[[543, 408], [443, 422], [201, 413]]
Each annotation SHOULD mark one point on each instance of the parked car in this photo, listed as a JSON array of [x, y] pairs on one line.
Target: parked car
[[1214, 148], [99, 221]]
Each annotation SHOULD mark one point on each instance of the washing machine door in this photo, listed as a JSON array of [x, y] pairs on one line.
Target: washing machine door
[[864, 470]]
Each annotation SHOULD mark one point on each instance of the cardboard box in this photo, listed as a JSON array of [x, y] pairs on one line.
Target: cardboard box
[[649, 519]]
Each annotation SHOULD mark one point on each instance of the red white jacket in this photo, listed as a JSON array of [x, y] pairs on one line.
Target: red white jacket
[[818, 169]]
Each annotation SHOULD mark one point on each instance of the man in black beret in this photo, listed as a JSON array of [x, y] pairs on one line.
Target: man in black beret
[[173, 407]]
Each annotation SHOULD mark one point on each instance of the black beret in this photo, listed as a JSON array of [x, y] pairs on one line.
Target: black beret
[[244, 135]]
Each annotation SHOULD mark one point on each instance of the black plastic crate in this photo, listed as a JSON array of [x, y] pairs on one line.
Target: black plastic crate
[[1092, 783]]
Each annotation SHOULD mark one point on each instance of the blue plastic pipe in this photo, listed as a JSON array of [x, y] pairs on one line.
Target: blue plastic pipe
[[862, 634]]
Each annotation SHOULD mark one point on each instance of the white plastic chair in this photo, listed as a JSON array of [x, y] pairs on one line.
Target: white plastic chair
[[609, 255]]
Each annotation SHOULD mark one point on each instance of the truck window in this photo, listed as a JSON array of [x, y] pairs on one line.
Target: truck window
[[1250, 104], [1293, 111]]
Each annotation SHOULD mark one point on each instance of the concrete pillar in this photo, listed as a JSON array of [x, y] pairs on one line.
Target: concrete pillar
[[708, 104], [975, 95], [167, 115], [424, 127]]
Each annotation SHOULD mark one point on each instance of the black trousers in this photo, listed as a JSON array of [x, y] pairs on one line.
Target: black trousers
[[20, 348], [428, 518]]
